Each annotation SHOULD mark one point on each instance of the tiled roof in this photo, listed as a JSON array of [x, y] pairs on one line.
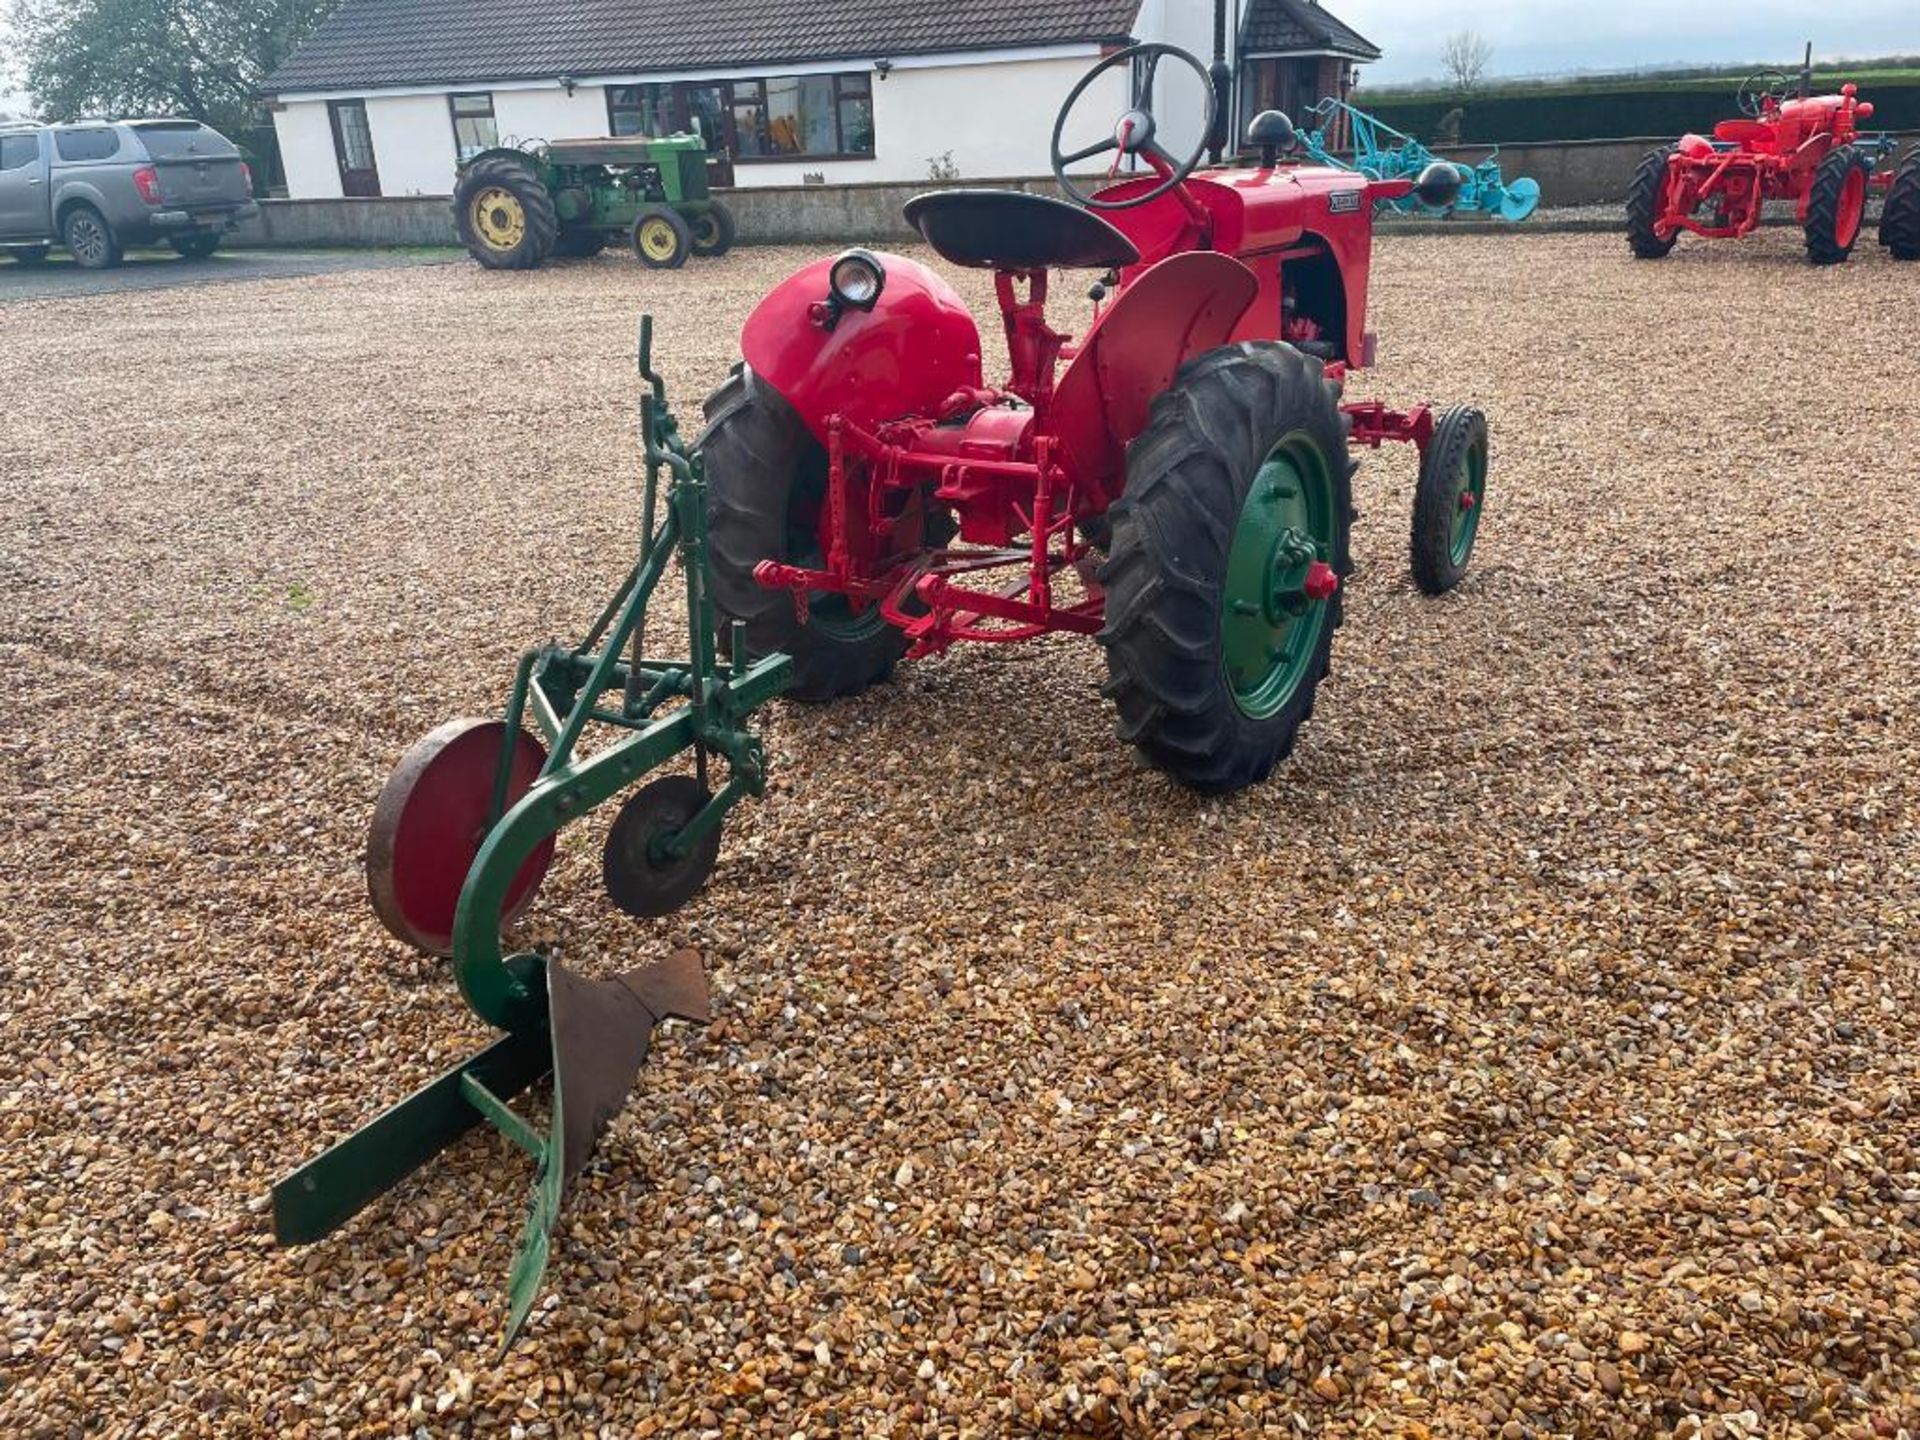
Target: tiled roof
[[368, 43], [1273, 25]]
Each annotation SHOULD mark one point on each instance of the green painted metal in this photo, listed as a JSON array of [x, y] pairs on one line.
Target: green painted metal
[[1470, 500], [604, 184], [658, 709], [1269, 627]]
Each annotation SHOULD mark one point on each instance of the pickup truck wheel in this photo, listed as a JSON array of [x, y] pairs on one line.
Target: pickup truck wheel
[[30, 254], [194, 247], [90, 238]]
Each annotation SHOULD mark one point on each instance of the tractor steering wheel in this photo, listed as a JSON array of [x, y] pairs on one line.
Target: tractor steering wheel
[[1760, 87], [1133, 132]]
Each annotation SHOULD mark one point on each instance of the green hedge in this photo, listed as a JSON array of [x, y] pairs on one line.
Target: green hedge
[[1606, 114]]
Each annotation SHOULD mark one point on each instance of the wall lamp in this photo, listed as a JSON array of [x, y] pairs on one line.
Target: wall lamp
[[883, 68]]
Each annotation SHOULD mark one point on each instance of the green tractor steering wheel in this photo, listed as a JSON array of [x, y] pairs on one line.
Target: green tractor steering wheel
[[1134, 132]]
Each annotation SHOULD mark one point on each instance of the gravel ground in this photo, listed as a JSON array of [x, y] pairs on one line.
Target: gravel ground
[[1535, 1054]]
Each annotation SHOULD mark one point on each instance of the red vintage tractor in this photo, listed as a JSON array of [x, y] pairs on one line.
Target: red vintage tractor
[[1175, 483], [1788, 144]]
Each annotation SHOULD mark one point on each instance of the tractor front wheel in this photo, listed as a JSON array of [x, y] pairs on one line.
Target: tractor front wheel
[[1836, 204], [1448, 499], [713, 231], [766, 486], [661, 238], [1900, 219], [505, 215], [1646, 202], [1229, 547]]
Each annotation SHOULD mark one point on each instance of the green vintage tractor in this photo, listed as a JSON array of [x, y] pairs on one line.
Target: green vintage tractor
[[515, 206]]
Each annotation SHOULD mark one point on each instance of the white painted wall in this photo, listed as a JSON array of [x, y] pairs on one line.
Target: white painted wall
[[412, 143], [996, 119], [306, 150], [1180, 105]]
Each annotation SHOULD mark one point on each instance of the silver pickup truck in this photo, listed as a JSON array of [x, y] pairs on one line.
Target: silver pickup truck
[[98, 187]]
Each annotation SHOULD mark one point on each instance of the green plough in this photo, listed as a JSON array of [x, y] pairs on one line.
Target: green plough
[[462, 837]]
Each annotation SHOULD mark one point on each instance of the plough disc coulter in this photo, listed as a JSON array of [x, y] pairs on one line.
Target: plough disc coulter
[[461, 839]]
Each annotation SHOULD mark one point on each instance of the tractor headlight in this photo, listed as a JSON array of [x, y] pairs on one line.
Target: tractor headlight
[[857, 280]]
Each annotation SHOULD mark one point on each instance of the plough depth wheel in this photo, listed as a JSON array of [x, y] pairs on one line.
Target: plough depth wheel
[[434, 811], [646, 873]]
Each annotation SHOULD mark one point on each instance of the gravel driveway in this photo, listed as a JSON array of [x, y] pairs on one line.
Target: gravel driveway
[[59, 277], [1534, 1054]]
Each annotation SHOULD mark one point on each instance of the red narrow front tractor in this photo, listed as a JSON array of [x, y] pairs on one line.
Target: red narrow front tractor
[[1789, 144], [1176, 482]]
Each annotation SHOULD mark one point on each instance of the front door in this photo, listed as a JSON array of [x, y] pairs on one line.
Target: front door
[[353, 148], [23, 186]]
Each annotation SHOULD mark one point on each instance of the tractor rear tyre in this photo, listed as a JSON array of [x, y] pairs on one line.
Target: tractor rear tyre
[[766, 484], [1646, 200], [661, 238], [1448, 499], [579, 244], [1229, 543], [1836, 204], [1900, 219], [505, 215], [713, 231]]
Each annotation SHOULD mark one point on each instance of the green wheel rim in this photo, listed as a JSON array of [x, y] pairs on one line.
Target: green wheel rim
[[1270, 626], [1469, 499]]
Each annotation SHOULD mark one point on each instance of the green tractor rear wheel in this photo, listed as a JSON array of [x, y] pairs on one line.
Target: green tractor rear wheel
[[505, 215], [1449, 498], [713, 230], [661, 238], [1217, 635]]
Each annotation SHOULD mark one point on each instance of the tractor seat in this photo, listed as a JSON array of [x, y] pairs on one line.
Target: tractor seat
[[1012, 230]]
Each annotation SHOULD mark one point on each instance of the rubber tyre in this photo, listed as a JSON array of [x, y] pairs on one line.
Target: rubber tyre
[[1644, 191], [542, 225], [758, 452], [651, 215], [1900, 218], [195, 247], [1824, 204], [579, 244], [30, 254], [1459, 432], [1206, 439], [713, 231], [90, 239]]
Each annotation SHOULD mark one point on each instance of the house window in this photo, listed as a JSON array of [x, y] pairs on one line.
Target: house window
[[783, 117], [473, 127], [640, 110]]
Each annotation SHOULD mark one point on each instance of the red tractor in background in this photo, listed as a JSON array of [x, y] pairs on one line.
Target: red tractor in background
[[1789, 144], [1176, 483]]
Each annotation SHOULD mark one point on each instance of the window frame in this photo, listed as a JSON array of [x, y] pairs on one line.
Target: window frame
[[79, 132], [454, 117], [672, 104]]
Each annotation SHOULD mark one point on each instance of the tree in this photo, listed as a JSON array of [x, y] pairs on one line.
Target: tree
[[203, 58], [1463, 58]]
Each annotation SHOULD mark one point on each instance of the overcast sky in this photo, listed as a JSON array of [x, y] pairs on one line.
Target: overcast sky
[[1530, 36]]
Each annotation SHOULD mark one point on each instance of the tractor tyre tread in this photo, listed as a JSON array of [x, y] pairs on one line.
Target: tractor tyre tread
[[536, 203], [1458, 430], [1823, 207], [1187, 478], [1900, 216], [753, 445], [1649, 183]]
